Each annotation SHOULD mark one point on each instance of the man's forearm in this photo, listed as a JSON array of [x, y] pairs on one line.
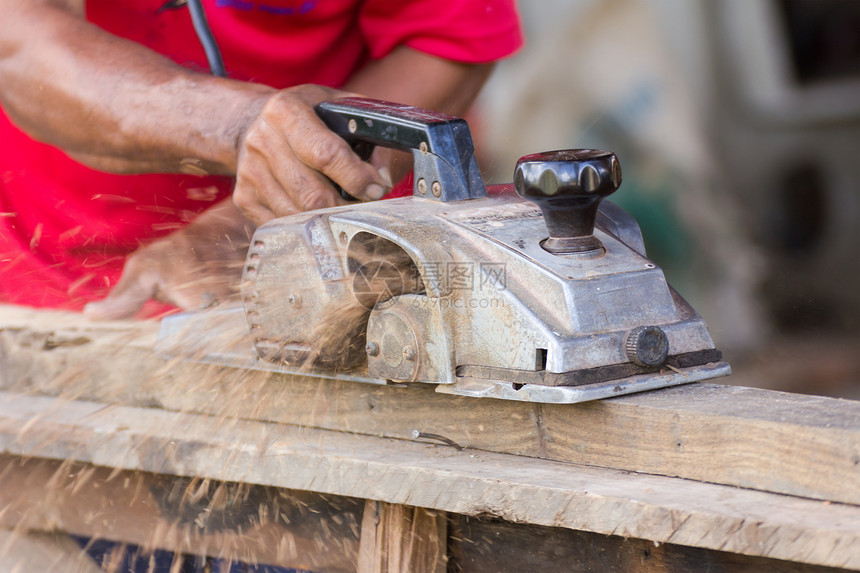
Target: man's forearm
[[114, 104], [118, 106]]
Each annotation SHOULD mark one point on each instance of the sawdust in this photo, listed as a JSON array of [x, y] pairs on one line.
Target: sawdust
[[145, 513], [189, 515], [339, 339], [233, 521], [381, 271]]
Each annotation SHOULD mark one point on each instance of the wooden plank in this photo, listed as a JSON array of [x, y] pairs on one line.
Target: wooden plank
[[248, 523], [799, 445], [742, 436], [479, 545], [524, 490], [398, 538], [494, 546]]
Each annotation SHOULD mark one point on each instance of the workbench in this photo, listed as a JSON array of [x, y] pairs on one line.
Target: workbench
[[102, 438]]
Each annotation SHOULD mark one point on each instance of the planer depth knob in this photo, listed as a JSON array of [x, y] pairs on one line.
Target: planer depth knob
[[568, 186]]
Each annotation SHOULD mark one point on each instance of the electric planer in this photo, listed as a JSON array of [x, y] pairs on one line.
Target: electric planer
[[537, 291]]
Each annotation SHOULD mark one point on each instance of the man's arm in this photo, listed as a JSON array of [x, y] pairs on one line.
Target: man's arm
[[120, 107], [112, 103], [174, 269]]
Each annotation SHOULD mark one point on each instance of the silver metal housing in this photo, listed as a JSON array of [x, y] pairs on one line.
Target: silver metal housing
[[493, 308]]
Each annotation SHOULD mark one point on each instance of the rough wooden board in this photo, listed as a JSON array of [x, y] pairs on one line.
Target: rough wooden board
[[494, 546], [28, 318], [524, 490], [800, 445], [102, 507], [397, 538], [766, 440], [90, 501]]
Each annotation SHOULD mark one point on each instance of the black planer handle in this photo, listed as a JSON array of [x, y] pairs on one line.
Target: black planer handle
[[441, 144]]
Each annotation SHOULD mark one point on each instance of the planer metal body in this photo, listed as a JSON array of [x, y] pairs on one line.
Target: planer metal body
[[534, 291]]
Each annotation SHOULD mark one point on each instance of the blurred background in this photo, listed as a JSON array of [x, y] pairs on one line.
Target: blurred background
[[737, 124]]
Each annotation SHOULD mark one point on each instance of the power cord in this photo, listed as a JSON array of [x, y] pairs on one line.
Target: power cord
[[203, 31]]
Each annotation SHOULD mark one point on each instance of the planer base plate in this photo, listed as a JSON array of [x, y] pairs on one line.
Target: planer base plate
[[221, 337]]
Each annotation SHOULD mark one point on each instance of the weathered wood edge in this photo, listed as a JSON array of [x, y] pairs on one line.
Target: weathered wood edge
[[494, 546], [517, 489], [77, 498], [121, 506], [800, 445]]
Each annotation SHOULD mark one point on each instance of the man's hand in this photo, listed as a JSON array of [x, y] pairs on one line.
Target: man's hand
[[119, 107], [194, 268], [288, 159]]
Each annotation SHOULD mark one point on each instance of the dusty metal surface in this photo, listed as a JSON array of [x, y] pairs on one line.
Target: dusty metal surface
[[491, 295], [515, 289], [179, 337], [478, 388]]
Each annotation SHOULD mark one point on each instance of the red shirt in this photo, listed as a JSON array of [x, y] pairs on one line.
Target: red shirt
[[65, 229]]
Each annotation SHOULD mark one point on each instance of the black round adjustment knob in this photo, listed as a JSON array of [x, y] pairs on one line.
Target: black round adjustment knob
[[568, 186], [647, 346]]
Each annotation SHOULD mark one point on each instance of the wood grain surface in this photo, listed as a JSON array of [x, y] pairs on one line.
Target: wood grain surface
[[800, 445], [469, 482]]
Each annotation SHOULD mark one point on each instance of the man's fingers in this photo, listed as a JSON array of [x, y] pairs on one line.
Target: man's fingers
[[312, 190], [259, 196], [126, 298], [257, 193], [325, 152], [288, 185], [255, 212], [267, 187], [191, 296], [195, 267], [290, 161], [293, 118]]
